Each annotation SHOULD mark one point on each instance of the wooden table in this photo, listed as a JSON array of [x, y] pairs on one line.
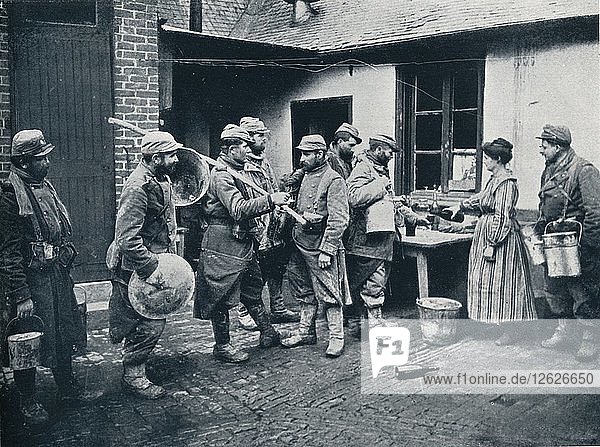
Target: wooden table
[[423, 244]]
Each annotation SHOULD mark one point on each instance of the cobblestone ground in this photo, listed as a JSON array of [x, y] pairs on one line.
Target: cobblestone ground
[[284, 397]]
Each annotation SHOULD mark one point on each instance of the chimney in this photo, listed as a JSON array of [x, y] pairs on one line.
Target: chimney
[[196, 15], [302, 10]]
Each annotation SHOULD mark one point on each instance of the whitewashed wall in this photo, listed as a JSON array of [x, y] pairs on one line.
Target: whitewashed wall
[[373, 105], [528, 85]]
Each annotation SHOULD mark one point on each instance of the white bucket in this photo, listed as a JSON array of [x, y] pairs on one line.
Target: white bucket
[[562, 253], [24, 347], [438, 319], [380, 217], [535, 248]]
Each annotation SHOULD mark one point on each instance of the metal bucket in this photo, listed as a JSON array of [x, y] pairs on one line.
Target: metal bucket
[[380, 217], [562, 252], [24, 347], [535, 248], [438, 319]]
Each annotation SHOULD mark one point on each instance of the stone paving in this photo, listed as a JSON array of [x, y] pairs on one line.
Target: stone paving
[[285, 397]]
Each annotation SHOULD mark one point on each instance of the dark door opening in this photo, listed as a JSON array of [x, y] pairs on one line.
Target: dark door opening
[[318, 116]]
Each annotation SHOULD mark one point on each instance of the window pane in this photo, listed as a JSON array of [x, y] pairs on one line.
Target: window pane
[[465, 130], [465, 89], [428, 169], [429, 92], [463, 173], [429, 132]]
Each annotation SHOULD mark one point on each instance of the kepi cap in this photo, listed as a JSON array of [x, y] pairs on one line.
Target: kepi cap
[[312, 143], [157, 142], [253, 125], [30, 142], [380, 138], [235, 131], [556, 133], [350, 130]]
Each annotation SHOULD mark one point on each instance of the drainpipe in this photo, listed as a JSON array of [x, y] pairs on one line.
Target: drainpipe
[[196, 15]]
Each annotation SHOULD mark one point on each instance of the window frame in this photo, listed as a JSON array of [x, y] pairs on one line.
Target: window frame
[[406, 118]]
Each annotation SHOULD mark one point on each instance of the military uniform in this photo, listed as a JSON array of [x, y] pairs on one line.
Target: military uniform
[[35, 263], [570, 188], [369, 255], [230, 266], [322, 193], [145, 227]]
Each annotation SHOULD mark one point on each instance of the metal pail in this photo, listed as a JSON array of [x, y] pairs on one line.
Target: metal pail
[[380, 217], [438, 319], [535, 248], [562, 253], [24, 347]]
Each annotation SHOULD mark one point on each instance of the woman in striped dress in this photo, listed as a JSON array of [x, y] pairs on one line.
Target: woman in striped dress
[[499, 283]]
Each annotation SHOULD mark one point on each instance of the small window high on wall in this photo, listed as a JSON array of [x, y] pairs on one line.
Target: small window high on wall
[[67, 12], [441, 126]]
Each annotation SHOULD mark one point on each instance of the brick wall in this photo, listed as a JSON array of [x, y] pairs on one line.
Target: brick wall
[[135, 75], [5, 131]]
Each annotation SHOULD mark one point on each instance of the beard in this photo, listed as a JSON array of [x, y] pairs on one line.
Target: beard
[[162, 170], [38, 172]]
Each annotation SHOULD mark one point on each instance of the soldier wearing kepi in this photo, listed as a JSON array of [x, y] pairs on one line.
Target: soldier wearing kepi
[[272, 254], [369, 254], [34, 268], [341, 150], [314, 270], [145, 227], [229, 261], [570, 190]]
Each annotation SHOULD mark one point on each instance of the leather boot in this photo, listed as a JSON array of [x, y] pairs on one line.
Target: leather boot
[[135, 382], [335, 321], [306, 334], [224, 350], [269, 337], [245, 319], [279, 314], [563, 335], [375, 316], [587, 350]]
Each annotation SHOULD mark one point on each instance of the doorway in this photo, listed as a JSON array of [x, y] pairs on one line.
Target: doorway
[[318, 116]]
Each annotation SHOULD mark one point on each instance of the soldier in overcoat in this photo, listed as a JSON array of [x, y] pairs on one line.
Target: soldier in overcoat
[[273, 255], [570, 191], [145, 227], [229, 262], [35, 269], [314, 270], [370, 254]]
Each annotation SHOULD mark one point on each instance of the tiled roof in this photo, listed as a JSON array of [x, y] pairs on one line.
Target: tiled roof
[[219, 17], [345, 24], [177, 12]]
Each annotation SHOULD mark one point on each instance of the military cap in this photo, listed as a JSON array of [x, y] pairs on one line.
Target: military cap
[[235, 131], [30, 142], [157, 142], [253, 125], [556, 133], [350, 130], [380, 138], [312, 143]]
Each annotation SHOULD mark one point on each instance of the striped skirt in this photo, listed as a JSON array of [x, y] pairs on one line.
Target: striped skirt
[[499, 290]]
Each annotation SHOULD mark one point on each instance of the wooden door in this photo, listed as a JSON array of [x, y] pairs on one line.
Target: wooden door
[[62, 85]]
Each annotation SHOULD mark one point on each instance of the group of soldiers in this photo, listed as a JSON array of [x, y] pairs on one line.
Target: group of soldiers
[[330, 258]]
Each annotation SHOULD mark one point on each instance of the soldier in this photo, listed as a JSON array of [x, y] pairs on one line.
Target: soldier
[[229, 261], [34, 268], [314, 270], [570, 190], [145, 226], [369, 255], [272, 255], [341, 149]]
